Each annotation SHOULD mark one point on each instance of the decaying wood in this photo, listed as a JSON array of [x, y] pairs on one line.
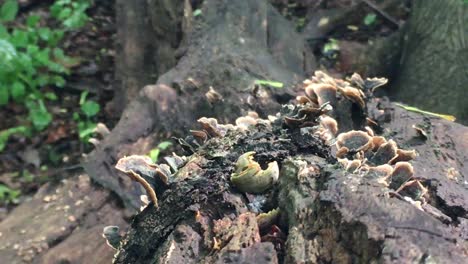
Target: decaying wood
[[326, 214], [232, 44]]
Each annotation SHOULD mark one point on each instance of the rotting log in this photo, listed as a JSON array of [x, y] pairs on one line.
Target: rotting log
[[324, 208], [230, 46]]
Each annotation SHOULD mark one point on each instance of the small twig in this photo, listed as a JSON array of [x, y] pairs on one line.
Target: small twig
[[382, 13], [450, 239]]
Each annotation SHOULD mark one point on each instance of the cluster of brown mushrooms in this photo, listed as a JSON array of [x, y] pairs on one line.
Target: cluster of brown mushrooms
[[372, 157], [249, 177]]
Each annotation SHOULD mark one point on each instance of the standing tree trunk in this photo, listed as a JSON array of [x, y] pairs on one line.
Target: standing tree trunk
[[433, 74], [148, 36]]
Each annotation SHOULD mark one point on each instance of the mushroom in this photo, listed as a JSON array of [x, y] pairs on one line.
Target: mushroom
[[325, 93], [354, 141], [249, 176], [210, 125], [244, 122], [402, 173], [199, 135], [413, 189], [112, 236], [380, 173], [213, 96], [403, 155], [377, 141], [385, 153], [142, 170], [354, 95]]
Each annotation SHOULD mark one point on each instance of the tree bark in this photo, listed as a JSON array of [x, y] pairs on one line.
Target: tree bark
[[433, 73], [326, 214], [232, 45], [148, 36]]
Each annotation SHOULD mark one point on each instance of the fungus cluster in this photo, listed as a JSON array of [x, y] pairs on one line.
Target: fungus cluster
[[150, 175], [371, 157], [376, 159], [360, 152]]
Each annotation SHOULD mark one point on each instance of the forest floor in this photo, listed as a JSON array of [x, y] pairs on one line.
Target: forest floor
[[55, 153]]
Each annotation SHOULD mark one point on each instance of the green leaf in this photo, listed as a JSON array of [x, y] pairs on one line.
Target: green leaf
[[42, 80], [86, 129], [40, 119], [32, 20], [19, 38], [51, 96], [18, 91], [58, 80], [83, 97], [38, 114], [76, 20], [9, 10], [43, 57], [270, 83], [56, 36], [90, 108], [164, 145], [331, 46], [55, 10], [417, 110], [5, 134], [370, 19], [64, 13], [4, 95], [3, 32], [44, 33], [197, 12], [154, 154], [7, 194], [7, 55]]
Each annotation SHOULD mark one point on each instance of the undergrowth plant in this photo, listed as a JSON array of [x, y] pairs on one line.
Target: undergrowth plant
[[88, 109], [30, 58]]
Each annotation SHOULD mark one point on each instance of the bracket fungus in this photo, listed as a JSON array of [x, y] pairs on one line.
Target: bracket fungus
[[112, 236], [369, 84], [149, 175], [322, 88], [249, 176], [373, 157], [354, 141]]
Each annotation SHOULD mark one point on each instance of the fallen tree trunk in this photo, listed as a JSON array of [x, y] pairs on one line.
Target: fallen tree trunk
[[232, 45], [319, 212]]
